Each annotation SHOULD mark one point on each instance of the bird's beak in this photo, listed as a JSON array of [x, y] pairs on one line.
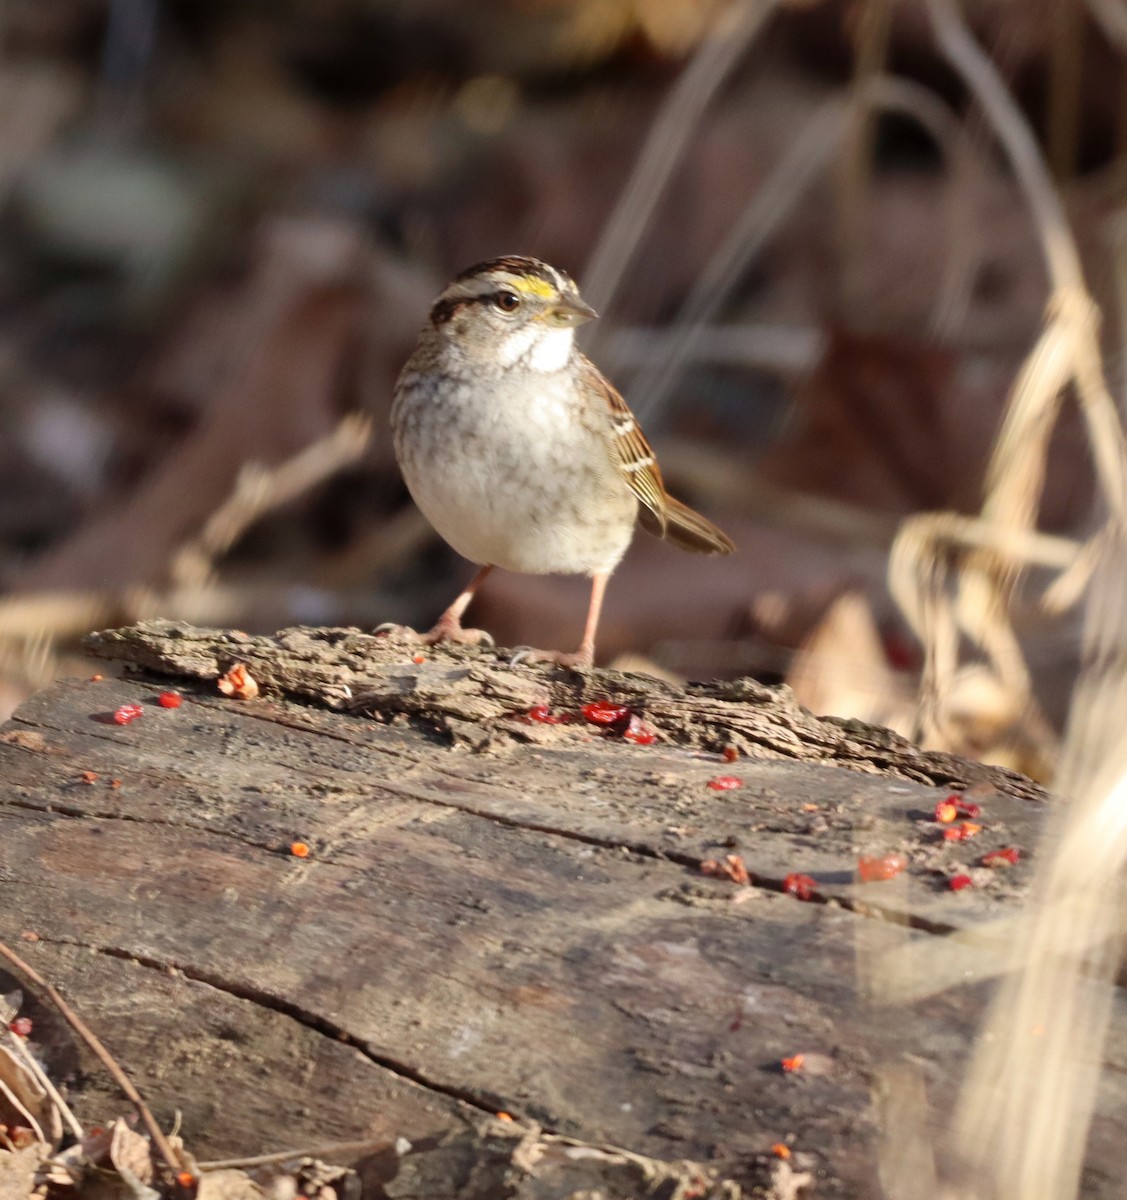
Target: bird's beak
[[569, 313]]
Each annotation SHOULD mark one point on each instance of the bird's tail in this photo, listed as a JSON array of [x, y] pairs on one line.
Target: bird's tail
[[688, 529]]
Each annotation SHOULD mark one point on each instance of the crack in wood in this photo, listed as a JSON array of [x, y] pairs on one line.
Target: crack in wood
[[314, 1022], [861, 908]]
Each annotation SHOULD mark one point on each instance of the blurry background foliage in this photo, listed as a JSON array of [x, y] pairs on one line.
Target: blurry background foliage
[[222, 221]]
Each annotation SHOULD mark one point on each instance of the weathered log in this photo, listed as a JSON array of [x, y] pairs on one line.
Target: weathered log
[[494, 916]]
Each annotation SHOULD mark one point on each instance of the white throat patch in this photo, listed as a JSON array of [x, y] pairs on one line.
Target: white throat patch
[[551, 350], [541, 348]]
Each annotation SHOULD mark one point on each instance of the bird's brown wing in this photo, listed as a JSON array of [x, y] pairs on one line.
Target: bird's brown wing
[[660, 513]]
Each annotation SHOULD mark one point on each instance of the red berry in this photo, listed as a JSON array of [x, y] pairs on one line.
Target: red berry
[[961, 833], [602, 712], [801, 886], [873, 870], [973, 811], [639, 732], [957, 882], [21, 1027], [946, 811], [1007, 856], [725, 783], [170, 699], [127, 713]]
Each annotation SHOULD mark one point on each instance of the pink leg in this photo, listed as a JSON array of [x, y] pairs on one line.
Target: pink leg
[[448, 627], [585, 655]]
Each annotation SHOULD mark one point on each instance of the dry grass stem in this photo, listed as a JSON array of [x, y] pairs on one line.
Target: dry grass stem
[[260, 489], [770, 206], [1043, 1041], [1066, 354], [16, 1046], [1111, 17], [664, 150], [173, 1160], [353, 1149], [775, 200]]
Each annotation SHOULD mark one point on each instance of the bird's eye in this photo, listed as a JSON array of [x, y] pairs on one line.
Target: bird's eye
[[508, 301]]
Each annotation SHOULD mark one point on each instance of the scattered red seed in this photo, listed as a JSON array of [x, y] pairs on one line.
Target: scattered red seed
[[873, 870], [1008, 856], [30, 936], [127, 713], [962, 833], [801, 886], [603, 712], [957, 882], [170, 699], [89, 777], [725, 783], [419, 658], [114, 783], [731, 868], [781, 1149], [21, 1027], [946, 811], [299, 849], [96, 678], [729, 754], [504, 1116], [21, 1137], [639, 732], [793, 1063], [543, 715], [186, 1179]]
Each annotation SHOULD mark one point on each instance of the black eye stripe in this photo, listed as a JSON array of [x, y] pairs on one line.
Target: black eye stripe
[[445, 310]]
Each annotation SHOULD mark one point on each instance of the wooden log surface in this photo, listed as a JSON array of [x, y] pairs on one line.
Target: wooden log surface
[[495, 916]]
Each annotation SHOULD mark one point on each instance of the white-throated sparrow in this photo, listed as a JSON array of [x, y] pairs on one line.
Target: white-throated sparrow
[[516, 448]]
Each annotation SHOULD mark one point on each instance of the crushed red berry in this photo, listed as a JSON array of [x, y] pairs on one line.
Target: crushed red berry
[[170, 699], [725, 783], [1008, 856], [874, 870], [603, 712], [962, 833], [801, 886], [966, 809], [639, 732], [542, 715], [957, 882], [946, 811], [127, 713], [21, 1027]]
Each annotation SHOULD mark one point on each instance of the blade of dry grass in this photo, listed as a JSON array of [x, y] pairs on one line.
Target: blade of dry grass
[[807, 157], [1067, 354], [715, 59], [260, 489], [1042, 1043]]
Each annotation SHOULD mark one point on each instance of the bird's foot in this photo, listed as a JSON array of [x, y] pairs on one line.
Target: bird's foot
[[444, 631], [579, 660]]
